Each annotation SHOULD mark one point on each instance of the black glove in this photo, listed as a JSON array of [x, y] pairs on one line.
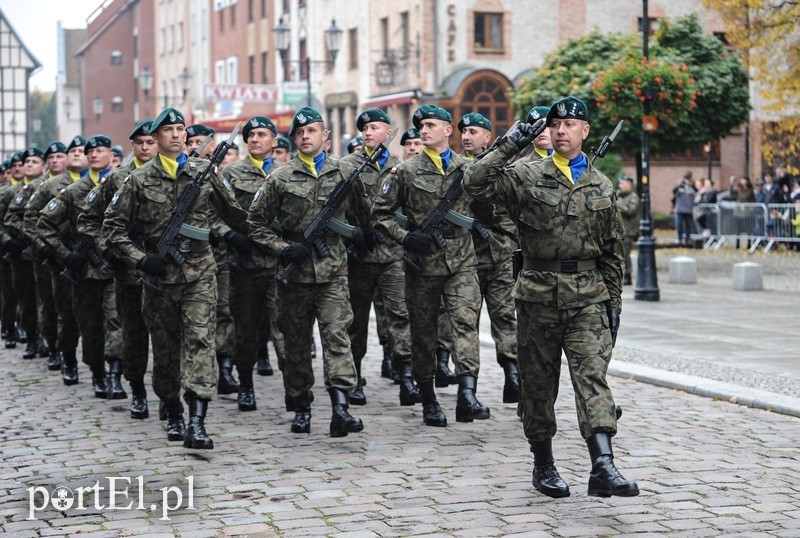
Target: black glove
[[295, 253], [483, 212], [613, 323], [363, 241], [47, 252], [521, 135], [239, 241], [15, 246], [153, 265], [419, 242], [75, 261]]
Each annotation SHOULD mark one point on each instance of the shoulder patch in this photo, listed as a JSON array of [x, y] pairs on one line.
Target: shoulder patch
[[115, 198], [34, 195], [258, 194], [227, 183], [387, 186], [53, 204], [91, 196], [19, 198]]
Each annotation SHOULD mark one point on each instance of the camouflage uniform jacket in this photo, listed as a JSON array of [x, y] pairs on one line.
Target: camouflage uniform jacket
[[628, 204], [63, 210], [13, 221], [294, 197], [557, 220], [372, 178], [245, 180], [415, 187], [502, 240], [148, 199], [39, 199], [7, 193]]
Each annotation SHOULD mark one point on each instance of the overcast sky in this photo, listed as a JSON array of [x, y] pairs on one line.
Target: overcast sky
[[34, 21]]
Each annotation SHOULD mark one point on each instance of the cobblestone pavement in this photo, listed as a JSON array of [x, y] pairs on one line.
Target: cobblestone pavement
[[705, 467]]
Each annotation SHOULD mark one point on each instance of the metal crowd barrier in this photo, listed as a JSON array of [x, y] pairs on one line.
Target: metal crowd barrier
[[757, 224]]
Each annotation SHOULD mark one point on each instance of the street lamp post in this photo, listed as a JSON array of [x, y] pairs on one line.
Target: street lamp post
[[707, 149], [646, 288], [333, 41]]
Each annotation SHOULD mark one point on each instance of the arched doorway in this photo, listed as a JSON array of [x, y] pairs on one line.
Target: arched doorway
[[484, 91]]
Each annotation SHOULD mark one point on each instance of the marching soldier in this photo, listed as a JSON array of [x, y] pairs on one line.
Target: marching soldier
[[17, 244], [542, 146], [55, 157], [68, 332], [416, 187], [182, 319], [294, 195], [117, 157], [380, 271], [93, 289], [127, 290], [195, 136], [411, 142], [9, 296], [568, 293], [253, 285], [355, 144], [282, 152]]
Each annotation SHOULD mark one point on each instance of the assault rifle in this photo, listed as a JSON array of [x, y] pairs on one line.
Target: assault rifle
[[86, 249], [313, 235], [199, 151], [606, 143], [165, 246]]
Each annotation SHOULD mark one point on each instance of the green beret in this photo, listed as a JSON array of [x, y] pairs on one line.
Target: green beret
[[370, 115], [17, 157], [258, 122], [117, 150], [568, 108], [473, 119], [536, 113], [409, 134], [54, 147], [304, 116], [168, 116], [198, 129], [78, 142], [431, 112], [284, 143], [5, 165], [97, 141], [33, 151], [142, 129], [354, 143]]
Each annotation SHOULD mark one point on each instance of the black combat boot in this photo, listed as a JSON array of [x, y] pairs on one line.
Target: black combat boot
[[42, 347], [545, 475], [99, 377], [139, 408], [54, 359], [468, 408], [30, 349], [247, 394], [22, 336], [386, 365], [115, 390], [263, 367], [618, 411], [11, 337], [409, 393], [357, 396], [176, 427], [519, 409], [605, 479], [342, 422], [444, 376], [289, 401], [196, 430], [227, 384], [302, 413], [3, 331], [511, 387], [432, 414], [69, 368]]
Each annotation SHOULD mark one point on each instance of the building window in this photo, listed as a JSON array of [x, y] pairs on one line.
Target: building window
[[233, 67], [263, 9], [252, 66], [250, 9], [116, 57], [233, 16], [219, 68], [116, 104], [172, 38], [180, 35], [301, 3], [384, 34], [303, 55], [353, 35], [264, 67], [405, 34], [162, 45], [287, 7], [489, 31], [221, 20]]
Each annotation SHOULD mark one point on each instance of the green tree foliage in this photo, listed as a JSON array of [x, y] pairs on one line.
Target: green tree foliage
[[721, 80]]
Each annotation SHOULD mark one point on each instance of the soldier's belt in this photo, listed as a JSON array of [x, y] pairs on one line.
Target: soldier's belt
[[184, 247], [559, 266], [298, 237]]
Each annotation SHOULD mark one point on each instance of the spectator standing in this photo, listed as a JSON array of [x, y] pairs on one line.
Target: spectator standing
[[683, 200]]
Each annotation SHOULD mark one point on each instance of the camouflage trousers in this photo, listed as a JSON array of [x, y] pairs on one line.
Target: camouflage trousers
[[584, 336], [461, 297], [226, 332], [25, 288], [253, 307], [95, 310], [497, 287], [7, 295], [182, 325], [367, 280], [444, 338], [47, 317], [68, 332], [135, 338], [381, 325], [329, 304]]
